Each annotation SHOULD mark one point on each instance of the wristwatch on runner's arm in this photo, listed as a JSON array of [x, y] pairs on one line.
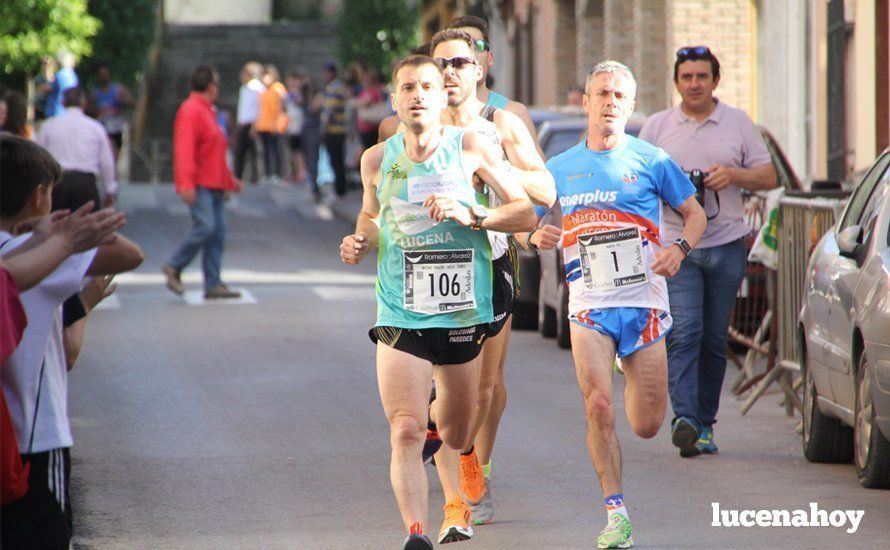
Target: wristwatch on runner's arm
[[478, 214], [684, 246]]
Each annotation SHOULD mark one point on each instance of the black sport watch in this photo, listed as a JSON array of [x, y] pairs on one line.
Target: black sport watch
[[684, 246], [478, 213]]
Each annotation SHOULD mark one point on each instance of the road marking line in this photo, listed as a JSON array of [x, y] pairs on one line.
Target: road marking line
[[243, 276], [345, 294]]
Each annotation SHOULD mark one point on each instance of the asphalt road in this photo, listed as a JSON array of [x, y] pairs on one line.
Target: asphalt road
[[259, 425]]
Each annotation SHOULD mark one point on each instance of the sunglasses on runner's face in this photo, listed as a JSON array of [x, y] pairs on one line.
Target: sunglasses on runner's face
[[458, 62], [693, 51], [482, 46]]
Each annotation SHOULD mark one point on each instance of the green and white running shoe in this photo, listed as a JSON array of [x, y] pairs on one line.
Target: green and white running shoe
[[616, 534], [482, 513]]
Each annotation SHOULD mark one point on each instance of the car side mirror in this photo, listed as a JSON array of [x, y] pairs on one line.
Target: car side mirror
[[848, 240]]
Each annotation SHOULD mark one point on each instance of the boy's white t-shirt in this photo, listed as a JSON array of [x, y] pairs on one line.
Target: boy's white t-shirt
[[42, 339]]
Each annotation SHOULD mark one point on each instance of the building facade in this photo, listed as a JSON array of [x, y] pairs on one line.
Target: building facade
[[814, 72]]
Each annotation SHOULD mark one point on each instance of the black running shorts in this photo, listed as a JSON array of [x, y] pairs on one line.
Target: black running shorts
[[503, 294], [439, 346]]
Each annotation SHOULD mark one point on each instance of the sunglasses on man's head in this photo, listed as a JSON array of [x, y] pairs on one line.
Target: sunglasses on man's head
[[458, 62], [483, 46], [693, 51]]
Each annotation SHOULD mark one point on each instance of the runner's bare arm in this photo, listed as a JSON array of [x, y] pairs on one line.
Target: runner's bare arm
[[667, 260], [521, 111], [517, 213], [547, 234], [522, 154], [544, 237], [356, 246]]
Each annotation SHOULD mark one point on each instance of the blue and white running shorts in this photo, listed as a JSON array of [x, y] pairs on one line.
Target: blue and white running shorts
[[631, 328]]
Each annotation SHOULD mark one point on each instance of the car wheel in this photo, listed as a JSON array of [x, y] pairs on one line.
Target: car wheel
[[825, 439], [872, 448], [546, 318], [563, 335]]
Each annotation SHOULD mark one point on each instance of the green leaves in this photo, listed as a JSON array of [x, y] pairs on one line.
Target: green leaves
[[125, 38], [378, 31], [32, 29]]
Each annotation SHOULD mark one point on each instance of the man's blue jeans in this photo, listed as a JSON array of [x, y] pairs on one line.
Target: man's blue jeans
[[702, 295], [207, 235]]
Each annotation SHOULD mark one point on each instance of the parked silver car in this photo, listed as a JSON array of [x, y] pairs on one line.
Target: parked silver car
[[845, 335]]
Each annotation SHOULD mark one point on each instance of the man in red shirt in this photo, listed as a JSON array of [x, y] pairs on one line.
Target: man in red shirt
[[203, 181]]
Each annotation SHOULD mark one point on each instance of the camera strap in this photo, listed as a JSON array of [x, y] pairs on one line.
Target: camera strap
[[717, 201]]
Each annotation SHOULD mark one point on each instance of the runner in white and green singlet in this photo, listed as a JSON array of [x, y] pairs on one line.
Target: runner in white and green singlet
[[434, 279]]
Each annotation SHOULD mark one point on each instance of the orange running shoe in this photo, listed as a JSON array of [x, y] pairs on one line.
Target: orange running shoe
[[472, 480], [456, 526]]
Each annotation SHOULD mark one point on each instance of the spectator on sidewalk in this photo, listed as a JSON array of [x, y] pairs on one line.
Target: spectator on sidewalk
[[14, 115], [271, 122], [295, 111], [371, 109], [334, 123], [113, 101], [81, 146], [63, 79], [30, 516], [35, 382], [43, 85], [314, 105], [203, 181], [248, 110], [705, 134]]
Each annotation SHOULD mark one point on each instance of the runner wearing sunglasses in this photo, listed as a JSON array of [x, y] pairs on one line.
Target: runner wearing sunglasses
[[454, 51], [477, 28], [434, 280]]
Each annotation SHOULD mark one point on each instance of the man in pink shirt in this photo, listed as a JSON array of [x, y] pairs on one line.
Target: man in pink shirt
[[704, 134], [81, 146], [203, 181]]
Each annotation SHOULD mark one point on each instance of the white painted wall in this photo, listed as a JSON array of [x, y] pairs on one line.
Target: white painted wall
[[502, 71], [865, 85], [216, 12], [783, 77]]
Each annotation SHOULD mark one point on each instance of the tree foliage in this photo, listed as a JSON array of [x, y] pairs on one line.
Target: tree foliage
[[125, 39], [32, 29], [378, 31]]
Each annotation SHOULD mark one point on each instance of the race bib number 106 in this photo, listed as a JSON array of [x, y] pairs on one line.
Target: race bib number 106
[[612, 259], [439, 281]]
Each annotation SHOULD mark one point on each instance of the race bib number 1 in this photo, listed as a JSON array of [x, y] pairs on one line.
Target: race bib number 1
[[612, 259], [439, 281]]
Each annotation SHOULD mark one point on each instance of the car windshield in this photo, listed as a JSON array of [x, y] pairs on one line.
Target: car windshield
[[561, 140], [784, 179]]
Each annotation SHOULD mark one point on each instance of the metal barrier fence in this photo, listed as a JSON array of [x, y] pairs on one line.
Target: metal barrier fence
[[749, 325], [803, 219], [747, 321]]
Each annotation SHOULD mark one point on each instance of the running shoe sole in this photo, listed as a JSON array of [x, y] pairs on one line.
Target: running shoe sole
[[456, 534], [685, 437], [417, 542], [628, 544], [430, 447]]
